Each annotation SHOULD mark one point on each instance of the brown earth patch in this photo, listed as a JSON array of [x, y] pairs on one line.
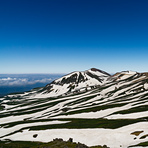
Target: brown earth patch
[[137, 133]]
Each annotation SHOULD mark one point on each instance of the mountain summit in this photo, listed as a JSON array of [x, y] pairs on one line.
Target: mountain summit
[[76, 82], [91, 107]]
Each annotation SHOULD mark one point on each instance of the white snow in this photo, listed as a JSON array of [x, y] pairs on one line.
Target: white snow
[[146, 86], [98, 97], [5, 131], [129, 116], [97, 114], [62, 89], [129, 72], [113, 138]]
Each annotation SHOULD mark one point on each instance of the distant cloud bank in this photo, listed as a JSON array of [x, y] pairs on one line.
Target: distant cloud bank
[[21, 81]]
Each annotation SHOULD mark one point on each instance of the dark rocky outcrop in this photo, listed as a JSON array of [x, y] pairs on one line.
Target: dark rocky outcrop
[[35, 135]]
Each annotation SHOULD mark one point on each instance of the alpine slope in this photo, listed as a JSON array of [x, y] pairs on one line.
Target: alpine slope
[[92, 107]]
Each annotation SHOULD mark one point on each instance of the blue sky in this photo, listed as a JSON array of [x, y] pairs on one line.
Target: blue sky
[[61, 36]]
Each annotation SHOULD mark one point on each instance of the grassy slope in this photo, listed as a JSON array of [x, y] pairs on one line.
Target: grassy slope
[[59, 143]]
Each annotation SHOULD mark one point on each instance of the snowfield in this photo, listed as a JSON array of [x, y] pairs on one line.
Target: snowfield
[[114, 138], [91, 107]]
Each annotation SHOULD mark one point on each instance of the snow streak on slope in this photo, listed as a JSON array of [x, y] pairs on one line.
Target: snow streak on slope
[[114, 107], [75, 82], [114, 138]]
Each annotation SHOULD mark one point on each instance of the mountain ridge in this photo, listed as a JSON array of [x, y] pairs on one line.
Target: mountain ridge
[[76, 81], [113, 113]]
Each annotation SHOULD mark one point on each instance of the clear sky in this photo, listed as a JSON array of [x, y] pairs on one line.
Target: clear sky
[[61, 36]]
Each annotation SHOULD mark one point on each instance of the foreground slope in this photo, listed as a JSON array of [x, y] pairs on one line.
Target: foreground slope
[[114, 112]]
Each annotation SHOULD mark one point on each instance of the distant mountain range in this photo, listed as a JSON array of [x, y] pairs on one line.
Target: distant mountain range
[[92, 107]]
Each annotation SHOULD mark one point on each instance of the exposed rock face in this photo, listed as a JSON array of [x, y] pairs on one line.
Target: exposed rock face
[[76, 82]]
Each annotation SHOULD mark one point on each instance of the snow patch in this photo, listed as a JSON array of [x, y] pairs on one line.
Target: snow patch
[[113, 138]]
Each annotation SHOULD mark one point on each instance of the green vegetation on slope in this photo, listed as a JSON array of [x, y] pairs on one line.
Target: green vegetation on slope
[[56, 143]]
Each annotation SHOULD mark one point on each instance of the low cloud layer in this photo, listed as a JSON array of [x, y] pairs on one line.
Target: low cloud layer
[[8, 81]]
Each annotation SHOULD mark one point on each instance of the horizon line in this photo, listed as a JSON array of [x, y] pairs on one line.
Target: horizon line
[[32, 73]]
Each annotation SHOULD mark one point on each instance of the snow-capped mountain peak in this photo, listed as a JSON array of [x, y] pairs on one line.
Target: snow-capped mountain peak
[[75, 82]]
